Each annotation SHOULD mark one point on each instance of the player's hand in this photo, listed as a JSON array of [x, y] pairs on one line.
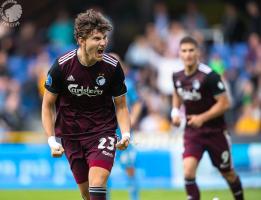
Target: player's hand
[[124, 142], [56, 148], [195, 121], [176, 121]]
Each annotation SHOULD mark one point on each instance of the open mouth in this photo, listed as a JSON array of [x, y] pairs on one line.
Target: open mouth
[[100, 51]]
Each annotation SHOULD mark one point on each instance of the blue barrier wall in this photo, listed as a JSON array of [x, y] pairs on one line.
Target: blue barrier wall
[[31, 166]]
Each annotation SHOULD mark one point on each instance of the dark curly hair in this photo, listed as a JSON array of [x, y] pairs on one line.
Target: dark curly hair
[[88, 21]]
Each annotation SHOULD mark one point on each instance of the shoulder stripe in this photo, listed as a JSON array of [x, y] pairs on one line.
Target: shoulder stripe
[[67, 55], [204, 68], [106, 59], [111, 59], [110, 62], [66, 59]]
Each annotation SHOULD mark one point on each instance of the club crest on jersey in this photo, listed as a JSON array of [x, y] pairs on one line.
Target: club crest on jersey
[[100, 80], [196, 84], [49, 80], [178, 83], [220, 85]]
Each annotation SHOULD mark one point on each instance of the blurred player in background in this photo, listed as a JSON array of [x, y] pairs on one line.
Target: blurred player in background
[[205, 99], [127, 158], [83, 101]]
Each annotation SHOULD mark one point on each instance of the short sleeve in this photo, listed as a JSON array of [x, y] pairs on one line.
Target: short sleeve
[[215, 84], [53, 81], [118, 86]]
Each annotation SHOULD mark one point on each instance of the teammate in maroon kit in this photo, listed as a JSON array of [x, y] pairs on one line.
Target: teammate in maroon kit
[[205, 99], [83, 101]]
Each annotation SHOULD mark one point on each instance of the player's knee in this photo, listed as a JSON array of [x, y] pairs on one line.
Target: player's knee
[[98, 181], [189, 173], [190, 166], [230, 176]]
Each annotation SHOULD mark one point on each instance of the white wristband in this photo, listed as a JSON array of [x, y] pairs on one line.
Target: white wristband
[[126, 135], [175, 112], [53, 143]]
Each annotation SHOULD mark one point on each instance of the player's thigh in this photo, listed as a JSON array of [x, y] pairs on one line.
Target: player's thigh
[[101, 153], [193, 151], [76, 158], [100, 156], [219, 151], [193, 145], [98, 177]]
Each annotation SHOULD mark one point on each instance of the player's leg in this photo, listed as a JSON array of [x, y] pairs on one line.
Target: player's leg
[[79, 167], [84, 189], [100, 154], [193, 152], [190, 165], [234, 183], [219, 151], [98, 177]]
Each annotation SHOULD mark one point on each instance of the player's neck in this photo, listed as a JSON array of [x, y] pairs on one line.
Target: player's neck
[[191, 69], [84, 59]]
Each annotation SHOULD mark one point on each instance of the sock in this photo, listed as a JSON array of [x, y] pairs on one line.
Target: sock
[[192, 189], [97, 193], [237, 190], [133, 188]]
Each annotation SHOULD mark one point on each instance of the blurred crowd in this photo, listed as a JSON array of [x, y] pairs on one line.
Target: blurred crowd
[[232, 49]]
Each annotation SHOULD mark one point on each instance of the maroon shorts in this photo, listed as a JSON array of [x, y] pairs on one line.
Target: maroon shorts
[[84, 154], [217, 144]]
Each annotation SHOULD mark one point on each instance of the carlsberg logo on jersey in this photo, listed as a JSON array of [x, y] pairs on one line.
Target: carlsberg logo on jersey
[[189, 95], [79, 91]]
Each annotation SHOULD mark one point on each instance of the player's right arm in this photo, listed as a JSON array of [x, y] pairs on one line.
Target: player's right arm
[[176, 103], [53, 87], [175, 112]]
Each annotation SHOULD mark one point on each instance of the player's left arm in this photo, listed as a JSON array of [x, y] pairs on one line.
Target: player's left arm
[[217, 89], [119, 90], [219, 108]]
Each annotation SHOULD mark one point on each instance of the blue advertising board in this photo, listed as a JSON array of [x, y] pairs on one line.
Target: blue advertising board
[[31, 167]]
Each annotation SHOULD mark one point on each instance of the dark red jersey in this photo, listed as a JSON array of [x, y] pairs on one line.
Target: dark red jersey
[[198, 93], [84, 105]]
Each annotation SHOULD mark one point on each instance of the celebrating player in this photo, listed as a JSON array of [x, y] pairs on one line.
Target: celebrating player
[[205, 99], [83, 101]]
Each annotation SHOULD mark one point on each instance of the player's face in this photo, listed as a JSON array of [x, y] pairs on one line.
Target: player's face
[[189, 54], [95, 45]]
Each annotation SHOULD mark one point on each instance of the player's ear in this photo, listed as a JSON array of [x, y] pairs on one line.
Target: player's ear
[[80, 41]]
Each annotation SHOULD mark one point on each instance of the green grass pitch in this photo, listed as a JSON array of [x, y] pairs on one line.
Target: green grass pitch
[[250, 194]]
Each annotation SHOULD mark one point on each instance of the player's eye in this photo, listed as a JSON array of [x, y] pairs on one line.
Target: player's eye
[[97, 38]]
